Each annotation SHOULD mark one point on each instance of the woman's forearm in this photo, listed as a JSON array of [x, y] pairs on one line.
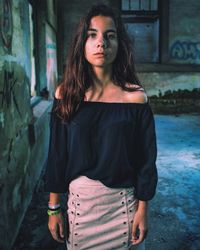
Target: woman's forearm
[[54, 198]]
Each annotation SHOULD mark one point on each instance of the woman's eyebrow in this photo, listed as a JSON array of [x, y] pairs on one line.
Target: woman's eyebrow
[[109, 30]]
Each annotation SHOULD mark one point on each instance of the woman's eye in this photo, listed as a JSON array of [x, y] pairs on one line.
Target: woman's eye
[[111, 36], [92, 35]]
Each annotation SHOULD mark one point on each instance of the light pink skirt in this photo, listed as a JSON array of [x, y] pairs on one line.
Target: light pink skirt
[[100, 218]]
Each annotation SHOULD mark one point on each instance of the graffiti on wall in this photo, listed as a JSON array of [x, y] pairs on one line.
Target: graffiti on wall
[[6, 24], [7, 94], [182, 50], [51, 53]]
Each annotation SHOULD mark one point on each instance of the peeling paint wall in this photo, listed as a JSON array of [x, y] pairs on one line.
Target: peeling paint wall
[[21, 157], [15, 115], [158, 83]]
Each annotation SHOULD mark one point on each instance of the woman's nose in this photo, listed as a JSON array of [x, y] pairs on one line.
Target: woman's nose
[[102, 43]]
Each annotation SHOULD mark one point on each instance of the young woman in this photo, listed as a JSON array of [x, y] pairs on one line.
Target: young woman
[[102, 148]]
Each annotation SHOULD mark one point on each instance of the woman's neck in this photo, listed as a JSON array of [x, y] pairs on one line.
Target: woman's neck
[[102, 77]]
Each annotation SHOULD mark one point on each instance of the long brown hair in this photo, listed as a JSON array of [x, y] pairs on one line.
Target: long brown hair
[[78, 75]]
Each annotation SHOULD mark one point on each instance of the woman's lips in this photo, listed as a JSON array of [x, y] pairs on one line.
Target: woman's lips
[[99, 54]]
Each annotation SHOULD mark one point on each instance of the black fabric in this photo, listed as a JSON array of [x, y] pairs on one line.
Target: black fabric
[[114, 143]]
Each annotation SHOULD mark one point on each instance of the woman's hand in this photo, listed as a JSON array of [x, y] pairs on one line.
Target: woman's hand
[[139, 227], [56, 227]]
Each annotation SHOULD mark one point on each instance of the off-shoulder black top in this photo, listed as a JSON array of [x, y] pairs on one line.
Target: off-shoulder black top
[[114, 143]]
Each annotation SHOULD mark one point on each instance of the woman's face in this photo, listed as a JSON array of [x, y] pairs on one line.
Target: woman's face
[[102, 44]]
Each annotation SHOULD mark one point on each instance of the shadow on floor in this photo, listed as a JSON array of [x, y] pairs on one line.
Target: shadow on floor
[[34, 233]]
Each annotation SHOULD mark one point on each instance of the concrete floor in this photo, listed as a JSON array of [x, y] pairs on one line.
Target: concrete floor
[[174, 216], [175, 210]]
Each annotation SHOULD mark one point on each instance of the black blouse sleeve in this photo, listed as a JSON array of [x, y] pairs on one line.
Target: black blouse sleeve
[[55, 176], [147, 172]]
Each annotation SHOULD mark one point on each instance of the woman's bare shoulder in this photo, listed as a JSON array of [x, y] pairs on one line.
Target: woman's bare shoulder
[[58, 92], [137, 96]]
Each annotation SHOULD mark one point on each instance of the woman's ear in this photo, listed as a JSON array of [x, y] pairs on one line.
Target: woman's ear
[[58, 92]]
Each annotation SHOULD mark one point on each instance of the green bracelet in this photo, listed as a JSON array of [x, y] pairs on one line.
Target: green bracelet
[[49, 212]]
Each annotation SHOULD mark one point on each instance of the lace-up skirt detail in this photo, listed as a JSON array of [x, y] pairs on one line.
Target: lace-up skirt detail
[[100, 218]]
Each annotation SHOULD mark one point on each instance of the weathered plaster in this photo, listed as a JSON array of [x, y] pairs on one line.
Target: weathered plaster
[[156, 83], [21, 161]]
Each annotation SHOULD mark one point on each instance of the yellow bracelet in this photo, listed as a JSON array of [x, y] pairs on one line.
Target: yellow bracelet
[[50, 213]]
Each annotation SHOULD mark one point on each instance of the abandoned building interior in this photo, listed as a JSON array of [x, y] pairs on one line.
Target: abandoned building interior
[[34, 41]]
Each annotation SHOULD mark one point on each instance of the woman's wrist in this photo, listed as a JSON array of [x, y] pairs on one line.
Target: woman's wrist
[[54, 207], [142, 206]]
